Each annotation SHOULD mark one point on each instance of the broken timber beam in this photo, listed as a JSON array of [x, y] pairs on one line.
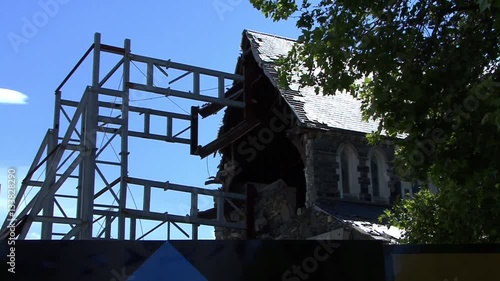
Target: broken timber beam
[[228, 138]]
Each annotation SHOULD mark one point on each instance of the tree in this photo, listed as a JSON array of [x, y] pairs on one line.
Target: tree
[[429, 71]]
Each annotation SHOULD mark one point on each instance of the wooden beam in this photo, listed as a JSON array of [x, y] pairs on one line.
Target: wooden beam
[[228, 138], [211, 108], [194, 130]]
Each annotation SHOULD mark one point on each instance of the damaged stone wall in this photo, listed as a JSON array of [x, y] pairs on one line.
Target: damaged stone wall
[[275, 217], [264, 155], [311, 192]]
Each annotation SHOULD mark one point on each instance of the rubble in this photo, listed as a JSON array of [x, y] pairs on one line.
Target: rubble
[[276, 217]]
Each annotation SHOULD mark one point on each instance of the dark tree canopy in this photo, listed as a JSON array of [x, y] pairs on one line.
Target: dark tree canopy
[[428, 71]]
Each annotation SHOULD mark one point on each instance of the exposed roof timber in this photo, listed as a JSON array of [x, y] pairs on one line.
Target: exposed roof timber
[[194, 130], [234, 134], [208, 214], [211, 108]]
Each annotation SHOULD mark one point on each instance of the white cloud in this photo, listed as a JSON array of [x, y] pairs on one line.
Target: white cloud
[[12, 97], [33, 235]]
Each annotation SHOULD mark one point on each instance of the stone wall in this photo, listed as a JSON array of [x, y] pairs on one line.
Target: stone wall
[[276, 218], [322, 167]]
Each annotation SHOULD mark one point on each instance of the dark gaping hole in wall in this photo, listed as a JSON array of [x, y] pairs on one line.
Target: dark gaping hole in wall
[[265, 163], [265, 154]]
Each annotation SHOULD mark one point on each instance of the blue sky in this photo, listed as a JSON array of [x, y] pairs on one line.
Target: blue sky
[[40, 41]]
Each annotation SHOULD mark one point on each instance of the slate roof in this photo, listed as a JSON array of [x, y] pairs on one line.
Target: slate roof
[[339, 111], [362, 217]]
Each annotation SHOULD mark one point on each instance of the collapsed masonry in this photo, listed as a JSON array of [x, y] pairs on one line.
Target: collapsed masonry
[[306, 155], [275, 218]]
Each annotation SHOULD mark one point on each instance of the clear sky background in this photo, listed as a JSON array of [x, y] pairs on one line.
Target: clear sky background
[[40, 41]]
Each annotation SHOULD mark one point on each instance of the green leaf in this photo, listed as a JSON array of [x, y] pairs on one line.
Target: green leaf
[[483, 5]]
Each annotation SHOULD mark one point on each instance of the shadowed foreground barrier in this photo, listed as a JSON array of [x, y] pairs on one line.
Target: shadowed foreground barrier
[[245, 260]]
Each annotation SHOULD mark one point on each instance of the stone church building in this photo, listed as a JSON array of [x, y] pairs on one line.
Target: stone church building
[[306, 157]]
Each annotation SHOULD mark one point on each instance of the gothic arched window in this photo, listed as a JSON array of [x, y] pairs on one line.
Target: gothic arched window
[[379, 188], [374, 168], [344, 167], [348, 164]]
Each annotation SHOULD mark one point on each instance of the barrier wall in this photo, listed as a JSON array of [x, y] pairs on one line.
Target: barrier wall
[[245, 260]]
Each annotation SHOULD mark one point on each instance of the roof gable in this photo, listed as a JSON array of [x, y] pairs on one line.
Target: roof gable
[[339, 111]]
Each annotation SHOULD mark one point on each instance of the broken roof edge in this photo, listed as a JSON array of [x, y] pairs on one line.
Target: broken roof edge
[[248, 42], [376, 231], [262, 64], [245, 31], [265, 68], [309, 126]]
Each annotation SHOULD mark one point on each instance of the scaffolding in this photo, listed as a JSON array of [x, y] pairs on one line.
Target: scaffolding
[[74, 147]]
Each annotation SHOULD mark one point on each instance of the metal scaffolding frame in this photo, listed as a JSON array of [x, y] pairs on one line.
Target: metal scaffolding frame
[[85, 155]]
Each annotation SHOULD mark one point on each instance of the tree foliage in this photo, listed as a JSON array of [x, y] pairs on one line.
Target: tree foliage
[[429, 71]]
